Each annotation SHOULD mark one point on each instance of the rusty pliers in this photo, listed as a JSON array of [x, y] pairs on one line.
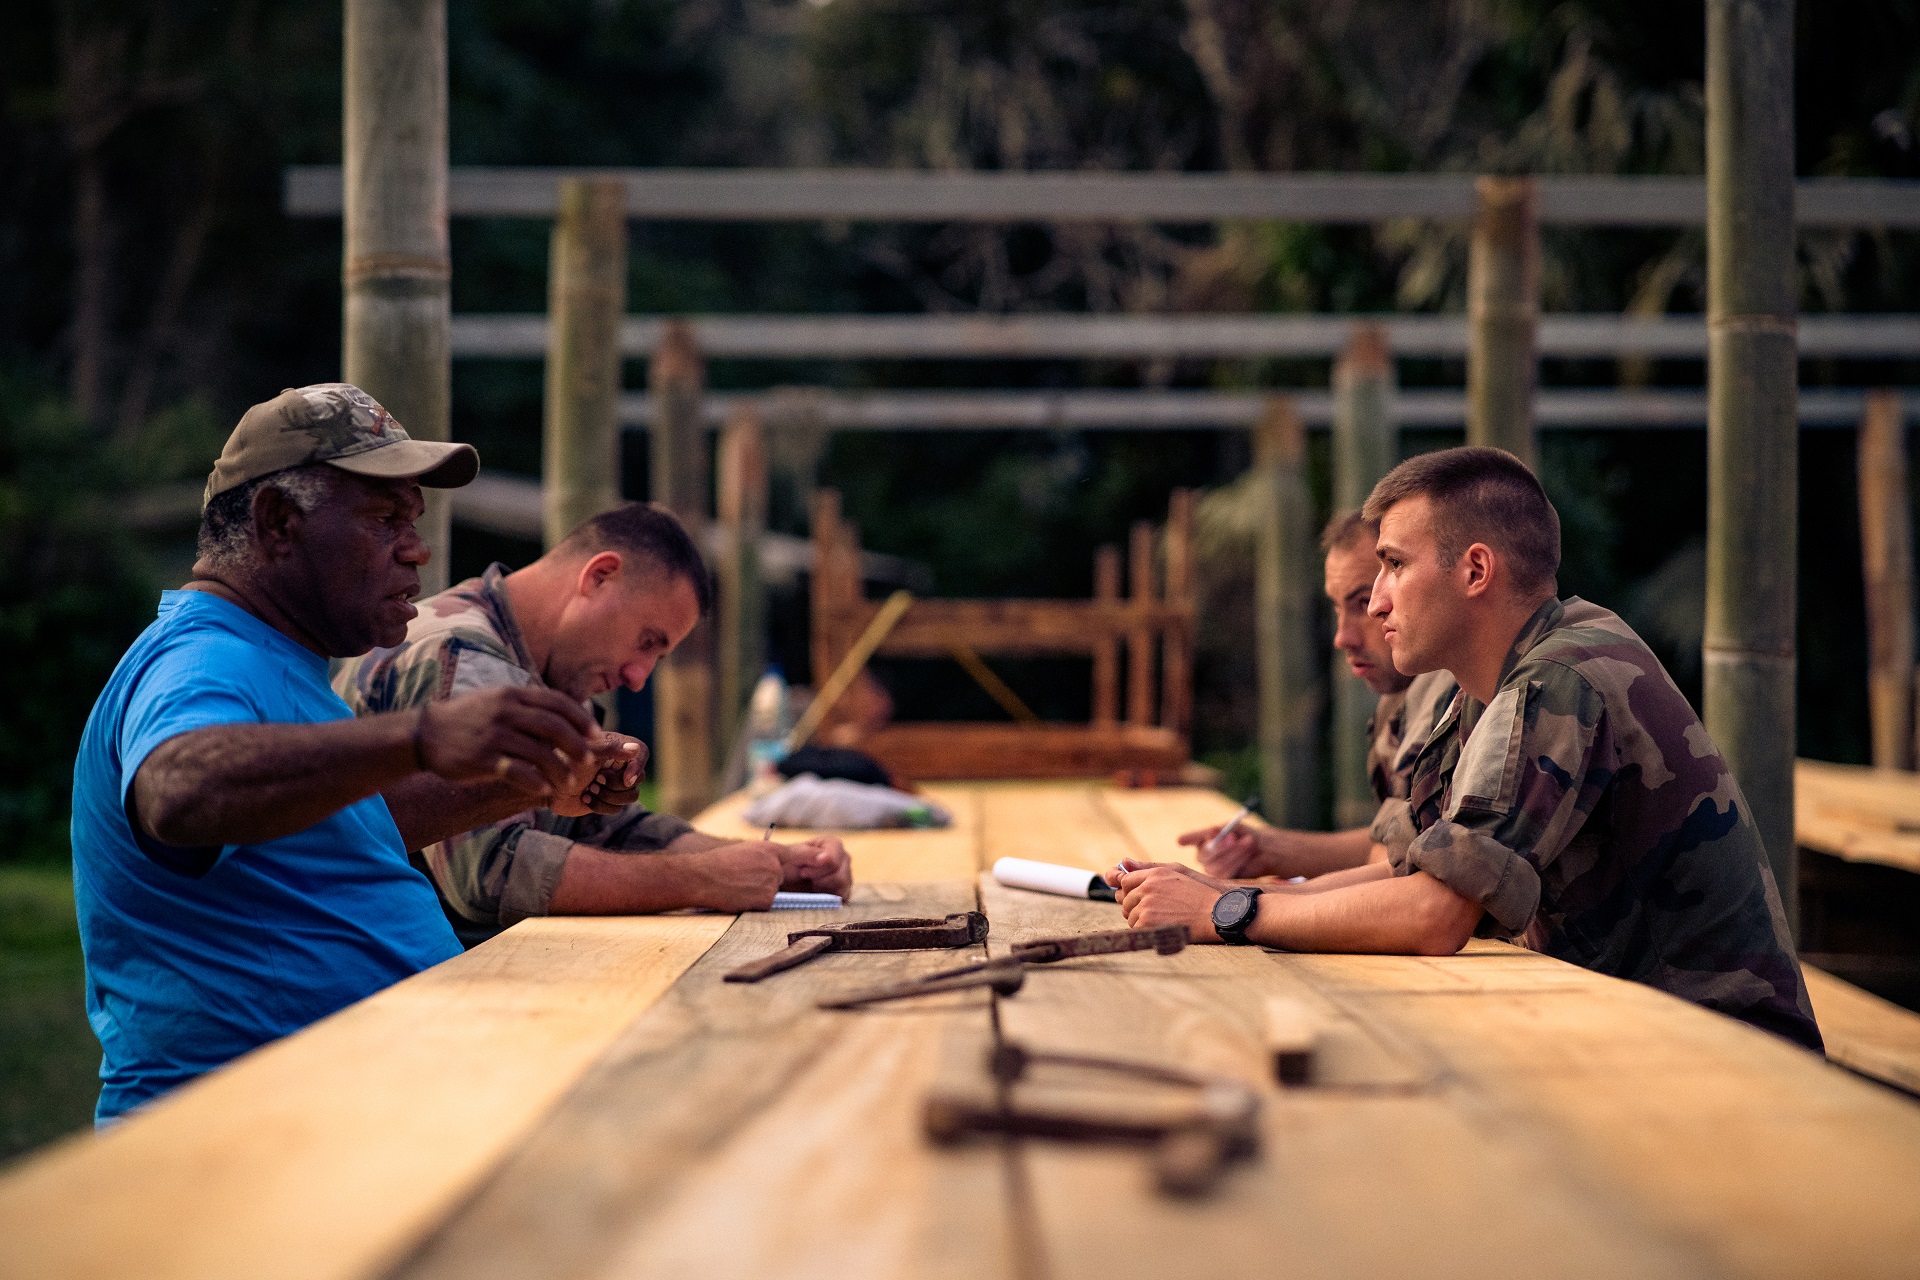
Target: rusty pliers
[[1005, 974], [909, 933]]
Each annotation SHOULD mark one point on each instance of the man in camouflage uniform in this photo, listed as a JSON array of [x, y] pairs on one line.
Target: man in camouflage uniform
[[594, 614], [1568, 799], [1407, 711]]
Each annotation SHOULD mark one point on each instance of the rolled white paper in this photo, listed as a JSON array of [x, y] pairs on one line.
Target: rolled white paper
[[1045, 877]]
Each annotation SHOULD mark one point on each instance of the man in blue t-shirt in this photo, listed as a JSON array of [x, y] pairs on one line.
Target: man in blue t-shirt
[[237, 871]]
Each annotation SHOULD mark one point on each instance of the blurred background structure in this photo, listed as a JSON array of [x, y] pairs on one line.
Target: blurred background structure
[[159, 271]]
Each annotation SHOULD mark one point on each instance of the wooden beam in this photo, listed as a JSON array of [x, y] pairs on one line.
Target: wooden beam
[[682, 684], [1503, 304], [1366, 445], [587, 292], [1176, 637], [894, 195], [1752, 446], [1886, 556], [743, 596], [1140, 572], [395, 271], [1106, 648], [1162, 337], [330, 1154], [1287, 656], [1215, 410]]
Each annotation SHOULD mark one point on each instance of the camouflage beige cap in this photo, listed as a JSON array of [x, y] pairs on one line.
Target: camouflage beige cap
[[341, 425]]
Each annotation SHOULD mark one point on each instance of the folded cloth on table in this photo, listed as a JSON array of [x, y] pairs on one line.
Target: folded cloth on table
[[834, 803]]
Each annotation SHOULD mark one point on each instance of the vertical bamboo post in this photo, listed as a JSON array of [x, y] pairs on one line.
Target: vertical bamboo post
[[683, 684], [396, 341], [743, 602], [1106, 648], [1503, 305], [1140, 568], [1283, 619], [829, 595], [586, 297], [1176, 638], [1752, 415], [1886, 557], [1366, 446]]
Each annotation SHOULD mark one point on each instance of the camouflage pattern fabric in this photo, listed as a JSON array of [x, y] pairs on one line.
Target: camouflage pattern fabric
[[1395, 734], [1588, 811], [465, 639]]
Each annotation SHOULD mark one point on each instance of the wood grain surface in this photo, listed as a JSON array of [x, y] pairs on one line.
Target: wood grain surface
[[1865, 1033], [331, 1152]]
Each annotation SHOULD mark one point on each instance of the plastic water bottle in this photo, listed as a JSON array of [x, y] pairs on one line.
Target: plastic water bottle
[[767, 728]]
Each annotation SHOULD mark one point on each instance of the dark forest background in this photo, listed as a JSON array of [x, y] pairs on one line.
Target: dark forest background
[[150, 288]]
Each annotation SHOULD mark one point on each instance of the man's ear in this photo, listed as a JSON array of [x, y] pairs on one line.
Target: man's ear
[[1478, 566], [276, 521], [601, 568]]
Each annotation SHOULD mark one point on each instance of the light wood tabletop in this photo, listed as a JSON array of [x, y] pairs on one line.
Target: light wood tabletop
[[588, 1098]]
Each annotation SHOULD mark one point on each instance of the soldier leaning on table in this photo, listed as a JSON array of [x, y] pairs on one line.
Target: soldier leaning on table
[[1408, 709], [595, 613], [239, 839], [1568, 799]]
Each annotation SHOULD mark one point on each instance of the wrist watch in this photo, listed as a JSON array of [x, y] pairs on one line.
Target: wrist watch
[[1233, 911]]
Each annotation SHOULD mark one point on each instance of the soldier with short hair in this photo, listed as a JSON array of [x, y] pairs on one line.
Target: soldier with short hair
[[1569, 798], [594, 614], [1409, 707]]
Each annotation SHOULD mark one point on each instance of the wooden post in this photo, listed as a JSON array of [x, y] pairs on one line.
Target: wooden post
[[1366, 445], [1503, 307], [743, 601], [1752, 415], [397, 323], [1886, 557], [1176, 641], [1140, 568], [586, 297], [1106, 649], [1283, 619], [683, 684]]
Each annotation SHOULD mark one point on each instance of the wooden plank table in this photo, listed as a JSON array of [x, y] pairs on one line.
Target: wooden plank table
[[1490, 1111]]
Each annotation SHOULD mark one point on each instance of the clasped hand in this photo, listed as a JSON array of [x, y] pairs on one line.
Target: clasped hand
[[1152, 894], [535, 740]]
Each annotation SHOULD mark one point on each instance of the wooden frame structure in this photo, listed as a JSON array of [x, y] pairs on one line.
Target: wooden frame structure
[[1152, 624]]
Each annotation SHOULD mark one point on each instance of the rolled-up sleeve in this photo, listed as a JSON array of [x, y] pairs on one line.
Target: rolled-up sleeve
[[1519, 794], [1393, 827]]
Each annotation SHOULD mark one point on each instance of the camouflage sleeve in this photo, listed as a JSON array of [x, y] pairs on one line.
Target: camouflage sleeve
[[502, 873], [1393, 827], [1522, 789]]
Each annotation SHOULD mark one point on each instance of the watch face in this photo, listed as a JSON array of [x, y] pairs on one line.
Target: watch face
[[1234, 910]]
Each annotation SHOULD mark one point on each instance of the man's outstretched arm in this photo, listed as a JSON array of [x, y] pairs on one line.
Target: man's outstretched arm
[[1402, 915], [246, 783]]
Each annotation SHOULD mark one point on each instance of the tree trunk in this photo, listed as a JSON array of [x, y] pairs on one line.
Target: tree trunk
[[1886, 556], [1503, 306], [1283, 621], [586, 297], [1366, 446], [1752, 414], [683, 684], [396, 343]]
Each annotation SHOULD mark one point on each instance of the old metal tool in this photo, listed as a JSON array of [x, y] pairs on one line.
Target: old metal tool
[[1005, 974], [1190, 1152], [911, 933]]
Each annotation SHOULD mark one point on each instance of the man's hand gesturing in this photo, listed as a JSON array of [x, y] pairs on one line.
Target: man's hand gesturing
[[1241, 856], [607, 781], [531, 738]]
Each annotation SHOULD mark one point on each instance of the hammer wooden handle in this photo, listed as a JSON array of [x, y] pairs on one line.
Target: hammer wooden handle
[[796, 954]]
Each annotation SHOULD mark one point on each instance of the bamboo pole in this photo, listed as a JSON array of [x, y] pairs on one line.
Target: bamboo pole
[[743, 597], [1886, 559], [1366, 446], [1283, 620], [1752, 415], [683, 684], [1503, 310], [1140, 572], [586, 298], [396, 343], [1106, 649]]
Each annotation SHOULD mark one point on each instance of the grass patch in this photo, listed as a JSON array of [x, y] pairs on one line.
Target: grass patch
[[49, 1060]]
